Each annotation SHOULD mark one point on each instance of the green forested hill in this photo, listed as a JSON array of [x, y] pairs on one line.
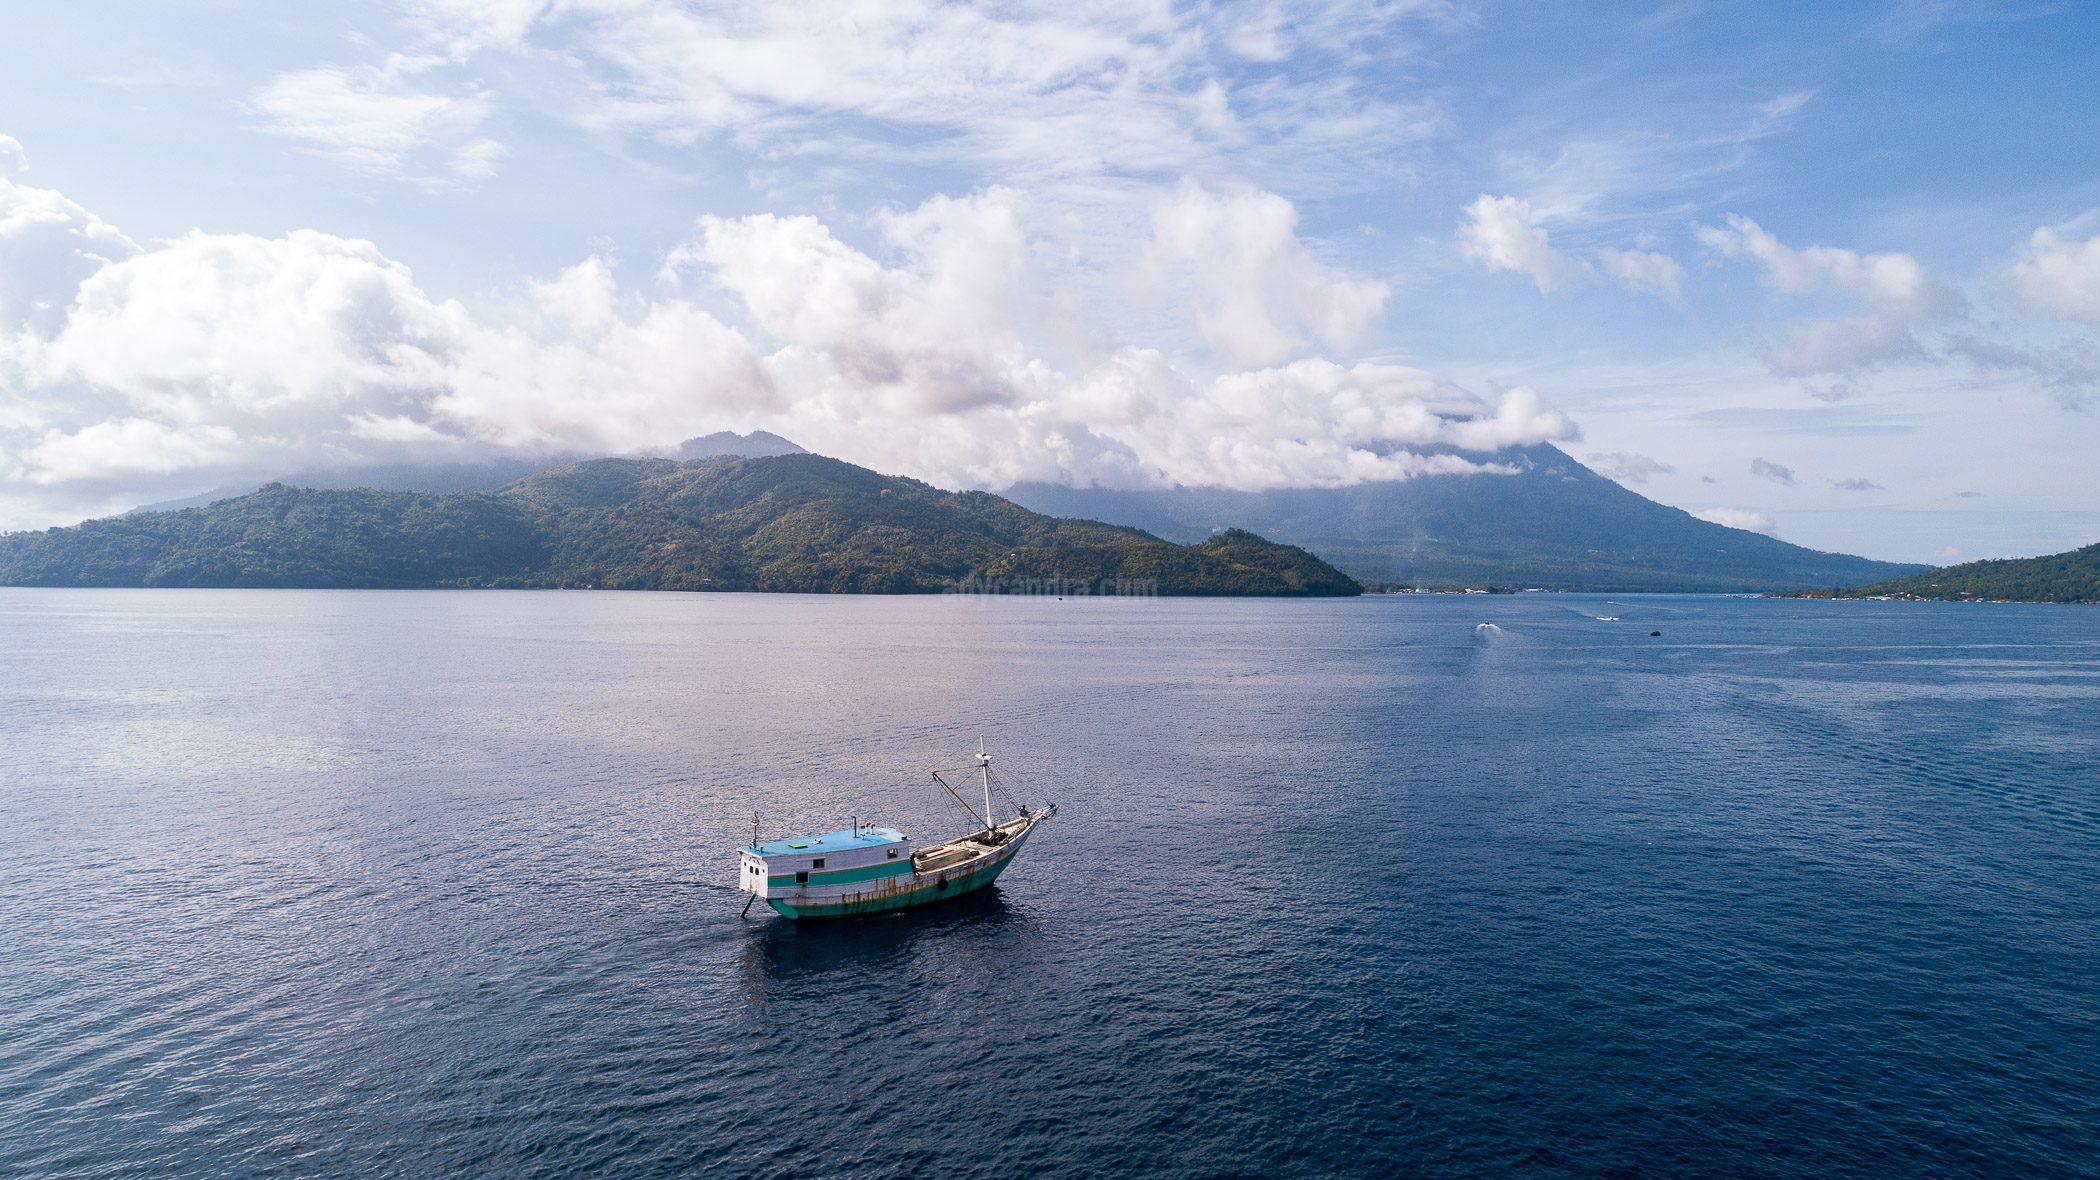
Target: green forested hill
[[2058, 577], [793, 522]]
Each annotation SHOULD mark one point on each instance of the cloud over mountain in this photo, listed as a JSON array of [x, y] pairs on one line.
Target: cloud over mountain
[[213, 357], [1740, 518]]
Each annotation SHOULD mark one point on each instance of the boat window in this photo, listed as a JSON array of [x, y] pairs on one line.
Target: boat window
[[893, 854], [817, 863], [801, 878]]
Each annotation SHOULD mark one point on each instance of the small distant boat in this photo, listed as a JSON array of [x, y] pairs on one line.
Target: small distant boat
[[868, 869]]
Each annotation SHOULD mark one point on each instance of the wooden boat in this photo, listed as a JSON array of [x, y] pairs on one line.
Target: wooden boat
[[868, 868]]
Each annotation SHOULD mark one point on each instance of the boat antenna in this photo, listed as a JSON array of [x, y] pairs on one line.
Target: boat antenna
[[984, 767]]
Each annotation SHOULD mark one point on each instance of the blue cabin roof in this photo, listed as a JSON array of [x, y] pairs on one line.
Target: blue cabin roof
[[866, 837]]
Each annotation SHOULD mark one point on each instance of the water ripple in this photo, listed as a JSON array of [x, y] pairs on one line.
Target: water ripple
[[344, 884]]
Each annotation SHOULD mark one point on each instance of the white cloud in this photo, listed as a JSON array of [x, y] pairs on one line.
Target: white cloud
[[375, 118], [129, 446], [1024, 91], [48, 244], [12, 158], [464, 26], [1508, 233], [1740, 518], [220, 324], [215, 357], [1839, 344], [935, 335], [1643, 268], [1256, 287], [942, 358], [2060, 277], [1521, 418], [477, 159], [1910, 318], [1900, 300], [1502, 233], [1892, 282]]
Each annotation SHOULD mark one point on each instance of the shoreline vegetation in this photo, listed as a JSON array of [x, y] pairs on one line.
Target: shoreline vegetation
[[783, 523], [2069, 578]]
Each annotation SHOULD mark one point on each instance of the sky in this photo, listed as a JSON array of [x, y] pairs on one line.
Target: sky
[[1826, 271]]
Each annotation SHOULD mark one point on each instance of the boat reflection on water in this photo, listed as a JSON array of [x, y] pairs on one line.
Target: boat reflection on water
[[810, 952]]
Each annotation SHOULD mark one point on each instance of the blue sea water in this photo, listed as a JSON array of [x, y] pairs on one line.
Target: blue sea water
[[314, 884]]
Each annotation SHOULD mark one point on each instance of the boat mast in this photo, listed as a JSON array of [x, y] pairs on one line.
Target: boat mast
[[984, 767]]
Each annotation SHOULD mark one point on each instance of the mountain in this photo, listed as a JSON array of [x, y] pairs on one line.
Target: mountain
[[1555, 524], [2058, 577], [794, 522], [759, 444]]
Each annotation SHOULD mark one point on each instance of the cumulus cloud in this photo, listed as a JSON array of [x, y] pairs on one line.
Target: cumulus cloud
[[953, 334], [236, 354], [2060, 277], [1502, 233], [48, 245], [1740, 518], [1508, 233], [1907, 317], [1628, 467], [935, 335], [12, 158], [1776, 472], [1258, 289], [1891, 282], [213, 357], [1898, 298], [376, 117]]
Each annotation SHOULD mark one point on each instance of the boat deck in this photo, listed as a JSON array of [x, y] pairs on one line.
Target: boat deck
[[969, 848]]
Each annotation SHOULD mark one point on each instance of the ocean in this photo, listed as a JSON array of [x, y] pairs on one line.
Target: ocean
[[431, 884]]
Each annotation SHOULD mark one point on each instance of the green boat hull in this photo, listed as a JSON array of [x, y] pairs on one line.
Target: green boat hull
[[929, 893]]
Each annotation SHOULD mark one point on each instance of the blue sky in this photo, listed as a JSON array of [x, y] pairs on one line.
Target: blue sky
[[1826, 271]]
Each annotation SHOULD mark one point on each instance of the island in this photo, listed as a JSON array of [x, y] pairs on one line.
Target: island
[[790, 522], [2057, 577]]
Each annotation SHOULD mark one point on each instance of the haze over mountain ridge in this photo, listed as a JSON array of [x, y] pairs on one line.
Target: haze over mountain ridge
[[477, 475], [1550, 523]]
